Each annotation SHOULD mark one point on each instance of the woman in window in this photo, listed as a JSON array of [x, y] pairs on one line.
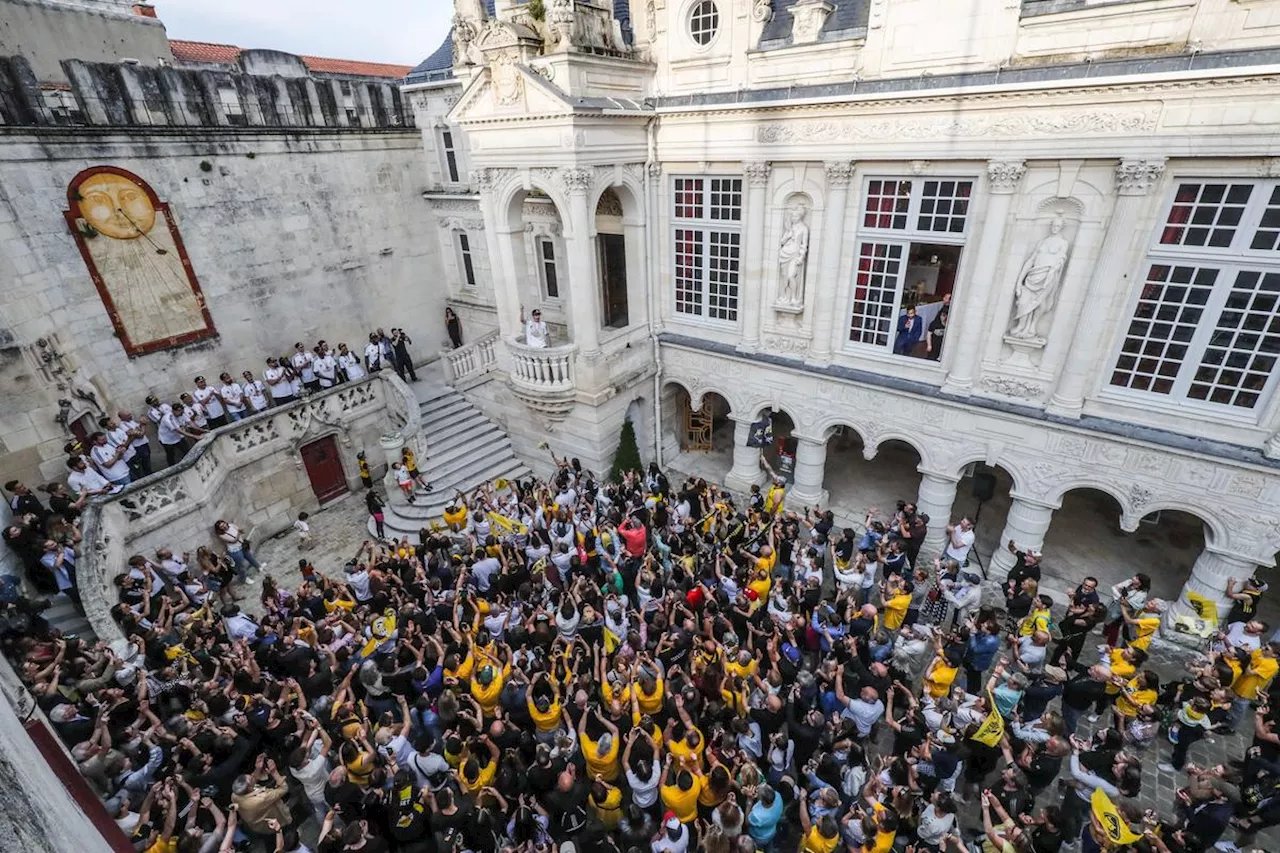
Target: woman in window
[[936, 333]]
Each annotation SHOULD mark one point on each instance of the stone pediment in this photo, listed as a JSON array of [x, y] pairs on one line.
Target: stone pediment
[[508, 89]]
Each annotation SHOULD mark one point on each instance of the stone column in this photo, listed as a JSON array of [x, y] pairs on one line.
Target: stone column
[[935, 498], [839, 174], [746, 470], [753, 291], [1209, 578], [584, 297], [964, 335], [810, 471], [1134, 180], [391, 445], [501, 262], [1026, 525]]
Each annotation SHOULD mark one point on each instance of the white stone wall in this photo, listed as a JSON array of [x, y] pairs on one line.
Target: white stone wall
[[294, 237]]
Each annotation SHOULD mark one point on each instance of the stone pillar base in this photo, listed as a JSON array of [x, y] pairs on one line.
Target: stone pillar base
[[1026, 525]]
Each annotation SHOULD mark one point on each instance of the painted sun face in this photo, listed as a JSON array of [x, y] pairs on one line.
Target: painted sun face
[[116, 206]]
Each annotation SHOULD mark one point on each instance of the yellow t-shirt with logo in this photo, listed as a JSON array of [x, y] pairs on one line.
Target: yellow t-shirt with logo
[[487, 696], [1119, 666], [606, 765], [683, 803], [548, 722], [1129, 707], [1256, 678]]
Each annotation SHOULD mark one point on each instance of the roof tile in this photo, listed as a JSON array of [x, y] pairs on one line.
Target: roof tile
[[227, 54]]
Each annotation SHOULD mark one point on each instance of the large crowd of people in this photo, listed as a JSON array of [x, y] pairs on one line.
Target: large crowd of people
[[652, 666]]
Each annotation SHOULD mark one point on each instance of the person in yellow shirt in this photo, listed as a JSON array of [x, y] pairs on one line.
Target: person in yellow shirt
[[601, 755], [1123, 664], [680, 795], [775, 499], [648, 691], [1142, 689], [821, 836], [743, 665], [606, 803], [896, 601], [1039, 619], [477, 771], [455, 516], [1140, 628], [486, 687], [688, 749], [544, 707], [1252, 683], [940, 675]]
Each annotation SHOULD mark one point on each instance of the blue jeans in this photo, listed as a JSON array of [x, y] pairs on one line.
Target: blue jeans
[[243, 558], [234, 416], [1239, 708]]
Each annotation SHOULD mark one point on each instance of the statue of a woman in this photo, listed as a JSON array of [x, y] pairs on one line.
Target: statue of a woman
[[1038, 281], [792, 254]]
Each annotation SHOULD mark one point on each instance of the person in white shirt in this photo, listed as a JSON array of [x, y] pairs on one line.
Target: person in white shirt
[[84, 480], [232, 396], [119, 436], [960, 538], [141, 462], [174, 431], [156, 410], [195, 413], [280, 381], [303, 362], [326, 367], [373, 354], [535, 330], [239, 626], [210, 400], [109, 458], [255, 392], [303, 529], [349, 364]]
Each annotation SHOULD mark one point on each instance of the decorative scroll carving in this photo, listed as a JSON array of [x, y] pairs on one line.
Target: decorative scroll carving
[[757, 174], [1004, 176], [155, 498], [1137, 177], [1012, 387]]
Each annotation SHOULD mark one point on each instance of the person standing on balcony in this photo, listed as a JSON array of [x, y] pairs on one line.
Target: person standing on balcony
[[453, 326], [400, 346], [535, 330], [349, 367]]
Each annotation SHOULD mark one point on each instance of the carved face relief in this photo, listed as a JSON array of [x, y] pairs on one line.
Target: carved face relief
[[116, 207]]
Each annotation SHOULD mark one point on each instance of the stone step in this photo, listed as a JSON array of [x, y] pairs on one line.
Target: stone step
[[403, 519], [444, 412], [63, 616], [473, 474], [441, 465]]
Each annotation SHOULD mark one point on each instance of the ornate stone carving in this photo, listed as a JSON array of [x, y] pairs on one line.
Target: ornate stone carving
[[609, 204], [457, 223], [757, 174], [206, 465], [839, 173], [155, 498], [560, 21], [1012, 387], [655, 169], [1137, 177], [575, 181], [253, 435], [1003, 176], [1139, 496], [1038, 280], [761, 11], [508, 83], [784, 346], [448, 205], [1026, 123], [357, 396], [808, 17], [793, 253]]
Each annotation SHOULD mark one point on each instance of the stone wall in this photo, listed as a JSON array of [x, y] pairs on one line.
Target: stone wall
[[294, 236], [48, 32], [250, 473]]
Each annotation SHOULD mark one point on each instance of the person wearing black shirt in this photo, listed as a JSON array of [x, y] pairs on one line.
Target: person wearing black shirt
[[1087, 686], [1026, 565], [1084, 612]]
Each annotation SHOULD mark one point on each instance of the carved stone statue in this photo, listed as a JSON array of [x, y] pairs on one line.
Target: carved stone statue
[[1038, 282], [792, 254], [560, 18]]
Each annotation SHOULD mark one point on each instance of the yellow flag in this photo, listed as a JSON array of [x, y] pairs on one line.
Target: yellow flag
[[381, 630], [991, 730], [1113, 823], [504, 526], [1204, 608]]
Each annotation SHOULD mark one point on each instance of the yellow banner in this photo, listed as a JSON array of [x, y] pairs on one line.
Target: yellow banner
[[503, 526], [1113, 823], [991, 730], [1204, 608]]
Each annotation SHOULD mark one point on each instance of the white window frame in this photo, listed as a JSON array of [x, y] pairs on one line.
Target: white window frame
[[903, 237], [1229, 262], [713, 232], [690, 12], [466, 255], [449, 147], [543, 262]]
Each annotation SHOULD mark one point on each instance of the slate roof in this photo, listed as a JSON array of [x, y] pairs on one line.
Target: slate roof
[[227, 54], [848, 15]]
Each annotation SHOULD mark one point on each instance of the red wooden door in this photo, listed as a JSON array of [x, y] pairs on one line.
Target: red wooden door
[[324, 468]]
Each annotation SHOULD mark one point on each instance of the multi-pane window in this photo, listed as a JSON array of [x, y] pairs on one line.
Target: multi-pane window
[[704, 22], [708, 246], [908, 255], [465, 261], [450, 156], [1206, 326], [547, 267]]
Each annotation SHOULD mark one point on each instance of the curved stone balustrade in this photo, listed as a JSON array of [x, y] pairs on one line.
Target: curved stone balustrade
[[473, 360], [543, 377]]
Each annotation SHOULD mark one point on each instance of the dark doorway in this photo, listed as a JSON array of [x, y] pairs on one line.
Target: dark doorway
[[613, 279], [324, 468]]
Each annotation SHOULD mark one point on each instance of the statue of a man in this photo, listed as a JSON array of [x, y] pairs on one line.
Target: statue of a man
[[1038, 281], [792, 254]]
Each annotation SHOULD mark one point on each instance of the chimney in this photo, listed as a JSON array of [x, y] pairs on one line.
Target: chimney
[[144, 10]]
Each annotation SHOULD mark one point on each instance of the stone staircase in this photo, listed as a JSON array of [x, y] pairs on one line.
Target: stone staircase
[[464, 450], [63, 616]]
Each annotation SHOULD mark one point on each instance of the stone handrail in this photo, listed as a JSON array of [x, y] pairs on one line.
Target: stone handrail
[[176, 504], [542, 369], [472, 360]]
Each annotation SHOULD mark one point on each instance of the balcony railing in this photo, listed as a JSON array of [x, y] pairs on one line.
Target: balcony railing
[[543, 370], [473, 360]]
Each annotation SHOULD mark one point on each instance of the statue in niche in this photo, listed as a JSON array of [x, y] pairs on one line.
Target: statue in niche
[[792, 254], [1038, 282], [134, 252]]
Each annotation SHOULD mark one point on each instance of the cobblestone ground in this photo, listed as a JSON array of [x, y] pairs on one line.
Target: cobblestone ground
[[338, 530]]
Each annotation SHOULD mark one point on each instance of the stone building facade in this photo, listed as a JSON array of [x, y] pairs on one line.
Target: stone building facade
[[729, 207]]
